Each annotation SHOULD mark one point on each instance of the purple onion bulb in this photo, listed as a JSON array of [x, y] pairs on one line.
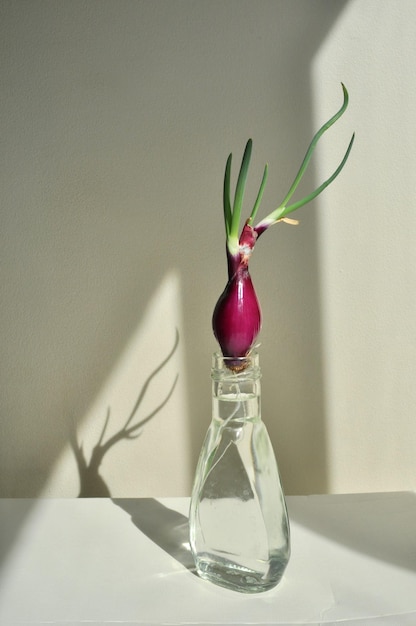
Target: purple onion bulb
[[236, 320]]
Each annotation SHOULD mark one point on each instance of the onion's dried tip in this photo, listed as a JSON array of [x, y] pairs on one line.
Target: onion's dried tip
[[289, 220], [236, 368], [239, 365]]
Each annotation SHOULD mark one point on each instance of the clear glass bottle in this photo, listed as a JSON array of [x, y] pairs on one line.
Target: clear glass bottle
[[239, 528]]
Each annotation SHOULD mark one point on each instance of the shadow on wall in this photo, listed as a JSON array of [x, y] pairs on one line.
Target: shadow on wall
[[98, 205], [92, 484]]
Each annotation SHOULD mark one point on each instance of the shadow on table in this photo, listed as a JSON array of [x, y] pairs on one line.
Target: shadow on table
[[165, 527], [382, 526]]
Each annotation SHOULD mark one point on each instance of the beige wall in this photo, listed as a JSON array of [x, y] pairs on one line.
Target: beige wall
[[117, 118]]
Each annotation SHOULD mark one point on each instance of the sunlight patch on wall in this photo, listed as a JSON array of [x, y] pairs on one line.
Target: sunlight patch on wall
[[106, 453], [327, 72], [366, 254]]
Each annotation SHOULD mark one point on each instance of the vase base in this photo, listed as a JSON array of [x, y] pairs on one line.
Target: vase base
[[237, 578]]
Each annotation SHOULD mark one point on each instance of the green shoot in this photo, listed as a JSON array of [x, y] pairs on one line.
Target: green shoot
[[238, 199], [232, 214], [283, 209], [227, 202], [259, 196]]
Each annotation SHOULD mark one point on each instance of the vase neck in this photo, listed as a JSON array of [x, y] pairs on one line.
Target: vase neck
[[236, 392]]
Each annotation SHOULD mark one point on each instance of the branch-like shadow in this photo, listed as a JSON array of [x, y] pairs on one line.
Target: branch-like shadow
[[92, 484], [165, 527]]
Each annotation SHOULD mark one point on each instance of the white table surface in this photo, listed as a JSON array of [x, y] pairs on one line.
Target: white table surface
[[126, 561]]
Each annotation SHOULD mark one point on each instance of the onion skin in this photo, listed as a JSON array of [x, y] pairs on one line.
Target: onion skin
[[236, 320]]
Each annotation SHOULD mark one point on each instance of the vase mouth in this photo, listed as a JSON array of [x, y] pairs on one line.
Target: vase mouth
[[245, 365]]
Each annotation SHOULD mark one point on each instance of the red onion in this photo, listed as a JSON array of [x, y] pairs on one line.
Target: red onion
[[236, 319]]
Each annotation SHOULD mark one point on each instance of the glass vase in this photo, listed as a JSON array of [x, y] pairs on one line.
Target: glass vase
[[239, 528]]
